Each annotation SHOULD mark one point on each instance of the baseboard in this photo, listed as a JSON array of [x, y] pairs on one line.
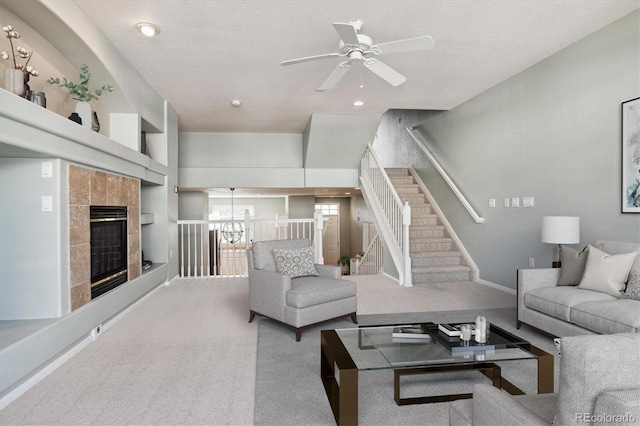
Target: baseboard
[[66, 355], [394, 279], [497, 286]]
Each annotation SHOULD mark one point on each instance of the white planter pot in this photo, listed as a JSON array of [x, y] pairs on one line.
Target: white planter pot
[[14, 81], [83, 109]]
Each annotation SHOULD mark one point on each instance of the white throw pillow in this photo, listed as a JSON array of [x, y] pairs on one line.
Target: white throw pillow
[[296, 263], [606, 273]]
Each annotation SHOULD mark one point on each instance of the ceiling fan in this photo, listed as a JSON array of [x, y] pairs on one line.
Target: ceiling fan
[[356, 48]]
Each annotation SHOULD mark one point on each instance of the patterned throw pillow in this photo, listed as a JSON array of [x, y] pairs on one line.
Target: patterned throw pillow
[[633, 285], [296, 263]]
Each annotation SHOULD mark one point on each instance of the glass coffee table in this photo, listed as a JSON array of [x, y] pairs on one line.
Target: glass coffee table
[[345, 352]]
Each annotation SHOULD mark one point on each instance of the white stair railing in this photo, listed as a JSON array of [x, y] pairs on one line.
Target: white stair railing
[[205, 252], [392, 216], [371, 262]]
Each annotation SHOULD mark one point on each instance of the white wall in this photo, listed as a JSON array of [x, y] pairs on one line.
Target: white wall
[[33, 289], [551, 132]]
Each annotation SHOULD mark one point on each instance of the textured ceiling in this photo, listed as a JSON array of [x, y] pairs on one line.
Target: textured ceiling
[[211, 52]]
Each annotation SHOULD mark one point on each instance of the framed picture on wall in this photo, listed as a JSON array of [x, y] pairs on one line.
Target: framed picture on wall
[[631, 156]]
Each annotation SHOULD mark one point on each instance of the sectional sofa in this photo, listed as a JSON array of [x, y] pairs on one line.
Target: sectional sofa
[[596, 291]]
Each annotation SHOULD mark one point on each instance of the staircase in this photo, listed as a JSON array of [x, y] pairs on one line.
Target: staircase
[[434, 257]]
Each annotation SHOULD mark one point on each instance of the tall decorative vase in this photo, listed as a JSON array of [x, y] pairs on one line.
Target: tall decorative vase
[[14, 81], [83, 109]]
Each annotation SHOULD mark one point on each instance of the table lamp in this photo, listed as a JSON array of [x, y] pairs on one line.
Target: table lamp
[[560, 230]]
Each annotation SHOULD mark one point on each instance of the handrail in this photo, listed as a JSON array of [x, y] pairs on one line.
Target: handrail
[[476, 217]]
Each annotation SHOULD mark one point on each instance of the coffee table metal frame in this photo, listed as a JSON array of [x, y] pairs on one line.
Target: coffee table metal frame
[[342, 393]]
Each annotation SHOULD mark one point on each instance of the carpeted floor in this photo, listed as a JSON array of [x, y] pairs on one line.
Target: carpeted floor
[[289, 390]]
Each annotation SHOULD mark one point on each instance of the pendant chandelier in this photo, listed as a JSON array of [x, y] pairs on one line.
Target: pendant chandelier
[[232, 231]]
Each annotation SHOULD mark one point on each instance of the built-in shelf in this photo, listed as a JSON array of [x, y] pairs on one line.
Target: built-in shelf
[[146, 218], [29, 130]]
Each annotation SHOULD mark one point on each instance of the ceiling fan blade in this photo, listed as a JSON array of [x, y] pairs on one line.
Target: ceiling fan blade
[[309, 58], [347, 33], [334, 77], [387, 73], [411, 44]]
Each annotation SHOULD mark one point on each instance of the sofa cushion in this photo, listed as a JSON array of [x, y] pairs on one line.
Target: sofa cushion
[[557, 301], [296, 262], [608, 316], [309, 291], [263, 257], [573, 263], [605, 272]]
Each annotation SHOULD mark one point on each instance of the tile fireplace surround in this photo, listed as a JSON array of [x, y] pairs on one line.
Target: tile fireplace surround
[[92, 187]]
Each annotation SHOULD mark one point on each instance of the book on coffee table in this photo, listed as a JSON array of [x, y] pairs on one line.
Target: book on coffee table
[[411, 332]]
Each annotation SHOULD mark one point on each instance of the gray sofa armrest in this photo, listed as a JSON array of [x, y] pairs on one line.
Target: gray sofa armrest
[[529, 279], [620, 407], [494, 407], [268, 292], [329, 271]]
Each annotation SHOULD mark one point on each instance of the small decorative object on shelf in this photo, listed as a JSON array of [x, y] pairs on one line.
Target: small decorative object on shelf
[[83, 95], [16, 77]]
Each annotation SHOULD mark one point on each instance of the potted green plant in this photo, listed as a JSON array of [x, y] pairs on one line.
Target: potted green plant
[[344, 262], [82, 93]]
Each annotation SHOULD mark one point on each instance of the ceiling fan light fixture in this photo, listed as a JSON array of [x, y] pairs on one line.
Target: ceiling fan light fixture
[[148, 29], [358, 103]]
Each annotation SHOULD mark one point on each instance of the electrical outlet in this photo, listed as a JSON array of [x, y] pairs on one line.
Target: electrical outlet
[[492, 202], [528, 202], [515, 202], [532, 262]]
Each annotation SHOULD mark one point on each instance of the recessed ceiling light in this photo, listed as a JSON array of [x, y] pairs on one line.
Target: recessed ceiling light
[[148, 29], [358, 103]]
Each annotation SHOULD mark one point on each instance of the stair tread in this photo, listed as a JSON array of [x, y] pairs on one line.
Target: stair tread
[[431, 240], [436, 254], [440, 268]]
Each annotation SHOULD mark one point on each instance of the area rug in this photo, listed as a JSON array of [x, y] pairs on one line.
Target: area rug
[[289, 390]]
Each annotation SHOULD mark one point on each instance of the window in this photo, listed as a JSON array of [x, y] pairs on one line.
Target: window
[[329, 209]]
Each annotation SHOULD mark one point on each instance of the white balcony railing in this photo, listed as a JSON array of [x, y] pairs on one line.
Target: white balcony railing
[[211, 248]]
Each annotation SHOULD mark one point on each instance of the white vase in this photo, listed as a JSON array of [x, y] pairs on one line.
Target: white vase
[[83, 109], [14, 81]]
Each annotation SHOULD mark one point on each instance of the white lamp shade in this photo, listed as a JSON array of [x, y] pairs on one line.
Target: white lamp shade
[[561, 229]]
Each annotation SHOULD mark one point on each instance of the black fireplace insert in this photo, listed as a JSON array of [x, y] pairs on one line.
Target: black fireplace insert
[[109, 257]]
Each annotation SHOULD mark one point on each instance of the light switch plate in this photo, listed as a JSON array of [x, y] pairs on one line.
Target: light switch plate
[[47, 169], [47, 203], [527, 202], [507, 202], [515, 202], [492, 202]]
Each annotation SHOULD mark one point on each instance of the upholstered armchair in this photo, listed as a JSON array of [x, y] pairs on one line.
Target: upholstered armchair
[[286, 285], [599, 384]]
